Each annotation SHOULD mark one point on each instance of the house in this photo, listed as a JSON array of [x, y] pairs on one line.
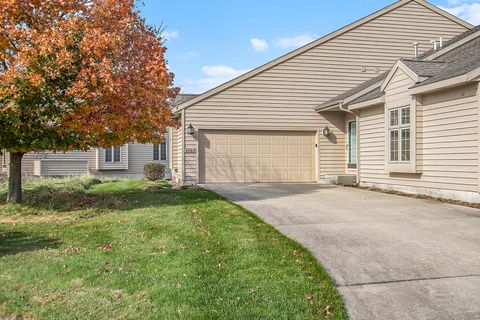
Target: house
[[126, 161], [389, 101], [417, 126], [264, 127]]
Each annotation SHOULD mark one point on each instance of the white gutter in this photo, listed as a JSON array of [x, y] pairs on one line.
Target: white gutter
[[183, 146]]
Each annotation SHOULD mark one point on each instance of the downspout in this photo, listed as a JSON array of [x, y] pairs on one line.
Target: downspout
[[357, 119], [183, 147]]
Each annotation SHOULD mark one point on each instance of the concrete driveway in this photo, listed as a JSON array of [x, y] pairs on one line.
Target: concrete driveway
[[392, 257]]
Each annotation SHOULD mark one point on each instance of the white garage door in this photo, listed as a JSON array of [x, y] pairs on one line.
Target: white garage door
[[256, 156]]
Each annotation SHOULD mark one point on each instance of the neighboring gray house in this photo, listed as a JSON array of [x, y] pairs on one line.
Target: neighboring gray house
[[126, 161]]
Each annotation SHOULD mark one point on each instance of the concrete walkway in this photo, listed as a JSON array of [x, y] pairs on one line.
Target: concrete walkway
[[392, 257]]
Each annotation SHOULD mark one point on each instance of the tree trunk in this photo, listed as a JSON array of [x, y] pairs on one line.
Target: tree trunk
[[15, 178]]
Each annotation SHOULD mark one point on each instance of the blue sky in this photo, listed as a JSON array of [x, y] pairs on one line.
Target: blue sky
[[212, 41]]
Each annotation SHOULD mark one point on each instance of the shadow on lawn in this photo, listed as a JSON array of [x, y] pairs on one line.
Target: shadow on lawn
[[66, 201], [16, 242], [52, 199]]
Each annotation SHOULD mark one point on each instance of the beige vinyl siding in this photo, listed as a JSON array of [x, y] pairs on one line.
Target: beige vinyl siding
[[175, 153], [447, 146], [284, 96], [191, 158], [331, 151]]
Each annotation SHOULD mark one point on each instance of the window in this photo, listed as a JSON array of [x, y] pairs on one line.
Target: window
[[113, 154], [352, 144], [399, 134], [160, 151]]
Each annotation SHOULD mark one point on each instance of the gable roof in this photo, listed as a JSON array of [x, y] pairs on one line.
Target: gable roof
[[424, 68], [376, 82], [456, 58], [452, 43], [184, 97], [316, 43], [373, 94], [459, 61]]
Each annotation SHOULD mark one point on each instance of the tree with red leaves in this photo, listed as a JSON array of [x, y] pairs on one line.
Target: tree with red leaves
[[79, 74]]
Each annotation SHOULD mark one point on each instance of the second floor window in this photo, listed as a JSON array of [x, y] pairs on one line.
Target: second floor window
[[113, 154], [160, 152]]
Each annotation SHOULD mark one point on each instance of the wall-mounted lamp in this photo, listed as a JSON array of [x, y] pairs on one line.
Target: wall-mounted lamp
[[327, 132], [190, 130]]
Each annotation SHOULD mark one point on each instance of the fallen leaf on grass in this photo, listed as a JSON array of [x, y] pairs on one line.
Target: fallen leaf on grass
[[105, 248], [328, 311], [309, 297], [71, 250]]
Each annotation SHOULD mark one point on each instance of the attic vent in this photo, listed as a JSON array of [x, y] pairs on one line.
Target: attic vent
[[434, 43], [416, 47]]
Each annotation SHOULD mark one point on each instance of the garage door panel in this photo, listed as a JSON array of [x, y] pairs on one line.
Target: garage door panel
[[251, 176], [293, 149], [279, 163], [251, 149], [237, 149], [256, 156], [237, 163], [279, 149], [237, 176], [251, 163], [265, 175], [222, 149], [265, 149], [280, 176]]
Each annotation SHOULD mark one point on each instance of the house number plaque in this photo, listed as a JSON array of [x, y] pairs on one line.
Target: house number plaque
[[191, 150]]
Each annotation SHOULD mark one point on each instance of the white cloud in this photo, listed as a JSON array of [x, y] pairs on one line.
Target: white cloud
[[187, 55], [295, 41], [221, 71], [214, 76], [259, 45], [468, 11], [169, 35]]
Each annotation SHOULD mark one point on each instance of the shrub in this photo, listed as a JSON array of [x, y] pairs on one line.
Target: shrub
[[154, 171]]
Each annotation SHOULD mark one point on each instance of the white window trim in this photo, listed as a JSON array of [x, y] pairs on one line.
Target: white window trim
[[402, 166], [113, 154], [399, 128], [159, 146]]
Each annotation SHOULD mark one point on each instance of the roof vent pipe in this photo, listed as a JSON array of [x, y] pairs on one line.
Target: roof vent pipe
[[415, 50], [434, 42]]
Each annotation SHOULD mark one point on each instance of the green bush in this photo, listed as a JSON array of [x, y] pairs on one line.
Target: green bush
[[154, 171]]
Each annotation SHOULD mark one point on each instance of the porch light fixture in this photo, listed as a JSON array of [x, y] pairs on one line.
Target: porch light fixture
[[327, 132], [190, 130]]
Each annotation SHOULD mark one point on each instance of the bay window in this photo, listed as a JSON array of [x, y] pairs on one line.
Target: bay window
[[399, 126]]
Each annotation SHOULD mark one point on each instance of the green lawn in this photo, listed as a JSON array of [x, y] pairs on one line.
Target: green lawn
[[82, 248]]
